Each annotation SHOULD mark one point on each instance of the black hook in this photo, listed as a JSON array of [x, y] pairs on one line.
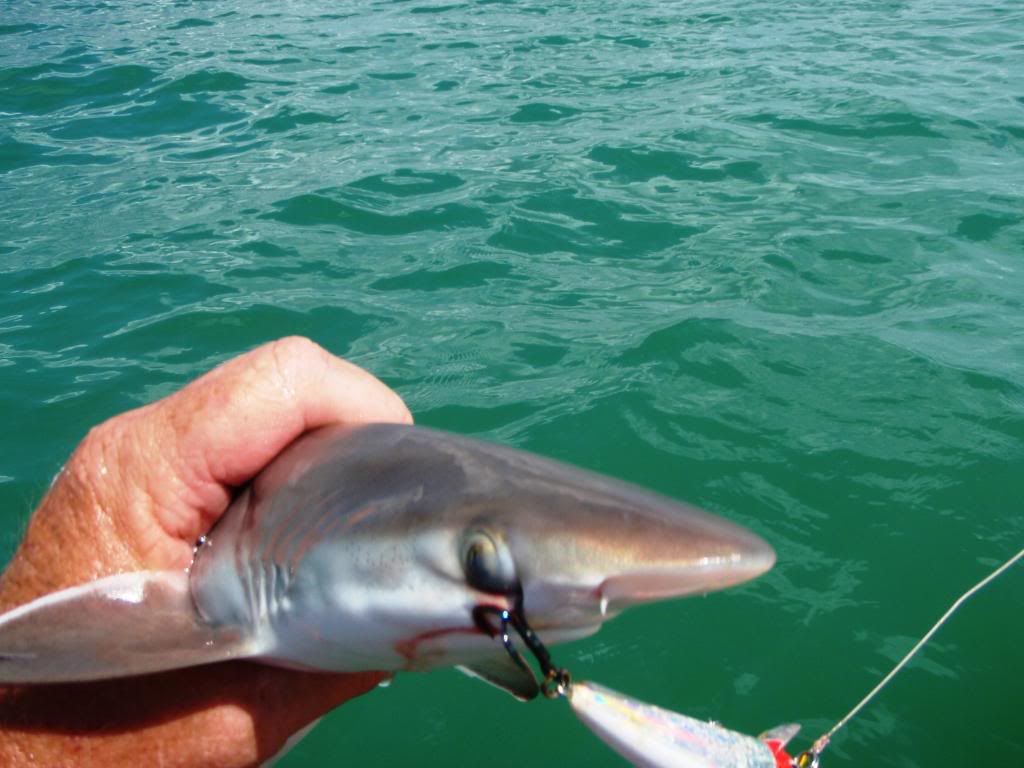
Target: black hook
[[556, 679], [483, 623]]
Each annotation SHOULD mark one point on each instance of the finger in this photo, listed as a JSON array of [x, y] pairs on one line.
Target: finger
[[227, 425]]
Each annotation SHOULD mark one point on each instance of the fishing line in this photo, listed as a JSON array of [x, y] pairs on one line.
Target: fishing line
[[810, 757]]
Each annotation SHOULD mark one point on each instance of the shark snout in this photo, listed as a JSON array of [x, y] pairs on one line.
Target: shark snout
[[632, 547], [681, 551], [642, 583]]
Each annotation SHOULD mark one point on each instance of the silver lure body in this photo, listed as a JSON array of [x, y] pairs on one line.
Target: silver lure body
[[360, 548], [651, 737]]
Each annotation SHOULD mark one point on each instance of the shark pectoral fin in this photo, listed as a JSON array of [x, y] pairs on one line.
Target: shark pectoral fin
[[129, 624], [504, 673]]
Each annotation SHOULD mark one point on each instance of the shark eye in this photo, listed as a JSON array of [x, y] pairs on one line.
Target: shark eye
[[488, 564]]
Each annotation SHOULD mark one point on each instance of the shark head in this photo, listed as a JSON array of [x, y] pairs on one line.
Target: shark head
[[386, 541], [577, 548]]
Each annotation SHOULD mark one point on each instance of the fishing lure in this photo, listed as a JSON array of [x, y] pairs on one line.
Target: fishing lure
[[652, 737]]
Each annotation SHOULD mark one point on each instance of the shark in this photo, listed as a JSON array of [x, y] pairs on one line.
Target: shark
[[389, 547]]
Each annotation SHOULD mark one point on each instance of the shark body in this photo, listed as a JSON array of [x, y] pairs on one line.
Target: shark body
[[375, 548]]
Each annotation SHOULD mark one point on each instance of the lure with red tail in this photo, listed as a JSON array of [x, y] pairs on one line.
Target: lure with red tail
[[652, 737]]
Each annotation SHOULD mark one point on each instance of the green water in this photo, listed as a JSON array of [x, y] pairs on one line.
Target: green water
[[765, 257]]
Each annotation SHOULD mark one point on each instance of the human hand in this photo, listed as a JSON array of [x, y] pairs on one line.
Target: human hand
[[135, 495]]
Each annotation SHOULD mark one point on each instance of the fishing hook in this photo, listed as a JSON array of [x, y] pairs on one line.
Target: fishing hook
[[556, 679]]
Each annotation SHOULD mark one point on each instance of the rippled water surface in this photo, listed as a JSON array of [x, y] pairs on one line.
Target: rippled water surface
[[766, 257]]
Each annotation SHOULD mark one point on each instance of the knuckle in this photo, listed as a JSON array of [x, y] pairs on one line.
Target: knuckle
[[295, 348], [293, 358]]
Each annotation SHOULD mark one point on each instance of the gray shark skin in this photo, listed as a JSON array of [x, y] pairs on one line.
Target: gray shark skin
[[369, 548]]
